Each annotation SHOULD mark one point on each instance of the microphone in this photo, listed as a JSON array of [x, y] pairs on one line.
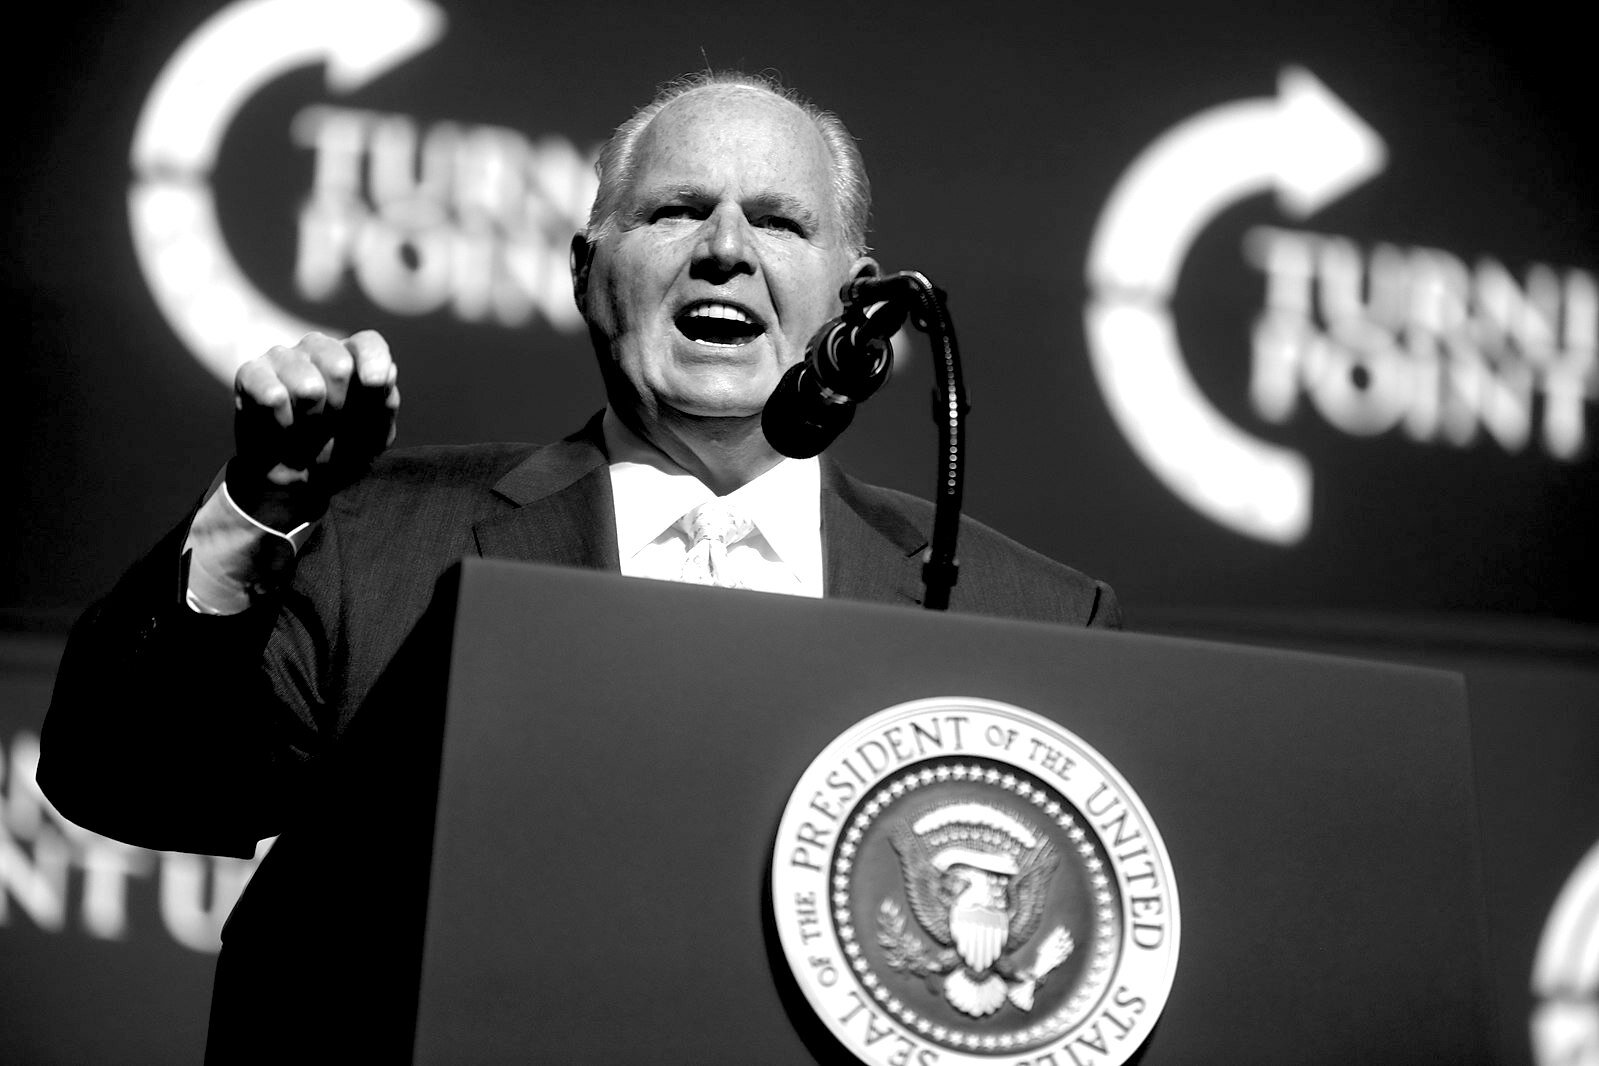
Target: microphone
[[846, 361]]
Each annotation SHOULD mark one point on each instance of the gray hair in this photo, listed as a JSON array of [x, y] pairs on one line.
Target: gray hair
[[618, 160]]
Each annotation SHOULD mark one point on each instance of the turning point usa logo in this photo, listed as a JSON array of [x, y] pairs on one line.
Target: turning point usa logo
[[446, 217], [1371, 339]]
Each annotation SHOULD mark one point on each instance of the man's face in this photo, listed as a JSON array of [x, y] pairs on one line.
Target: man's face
[[726, 255]]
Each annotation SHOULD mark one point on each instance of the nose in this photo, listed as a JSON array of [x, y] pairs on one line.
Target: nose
[[725, 245]]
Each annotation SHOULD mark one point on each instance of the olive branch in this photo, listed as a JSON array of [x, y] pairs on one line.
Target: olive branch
[[903, 949]]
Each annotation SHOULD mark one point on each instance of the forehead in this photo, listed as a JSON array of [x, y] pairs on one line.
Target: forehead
[[733, 141]]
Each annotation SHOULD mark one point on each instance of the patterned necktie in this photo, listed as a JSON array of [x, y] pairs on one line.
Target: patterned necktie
[[712, 528]]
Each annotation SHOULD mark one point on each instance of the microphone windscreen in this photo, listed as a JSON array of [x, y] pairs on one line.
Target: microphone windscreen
[[797, 421]]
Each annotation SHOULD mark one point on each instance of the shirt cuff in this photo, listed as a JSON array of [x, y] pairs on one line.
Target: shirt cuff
[[233, 559]]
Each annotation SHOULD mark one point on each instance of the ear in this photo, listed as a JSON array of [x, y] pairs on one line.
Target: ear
[[864, 267], [582, 258]]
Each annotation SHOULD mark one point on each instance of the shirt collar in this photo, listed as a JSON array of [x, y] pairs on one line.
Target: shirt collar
[[652, 493]]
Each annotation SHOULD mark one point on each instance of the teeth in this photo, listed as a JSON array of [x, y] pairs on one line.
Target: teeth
[[726, 311]]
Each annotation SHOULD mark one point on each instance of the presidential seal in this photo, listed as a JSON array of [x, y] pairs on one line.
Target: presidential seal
[[958, 880]]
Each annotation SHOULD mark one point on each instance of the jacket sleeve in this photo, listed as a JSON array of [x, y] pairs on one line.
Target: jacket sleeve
[[170, 729]]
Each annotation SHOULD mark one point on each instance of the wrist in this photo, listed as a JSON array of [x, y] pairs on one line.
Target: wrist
[[280, 498]]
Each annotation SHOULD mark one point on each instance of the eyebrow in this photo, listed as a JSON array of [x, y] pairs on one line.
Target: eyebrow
[[780, 203]]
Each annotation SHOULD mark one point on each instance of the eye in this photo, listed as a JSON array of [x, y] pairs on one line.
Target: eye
[[667, 212], [779, 223]]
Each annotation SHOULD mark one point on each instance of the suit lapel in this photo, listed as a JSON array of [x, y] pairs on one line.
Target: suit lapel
[[564, 516], [872, 550], [564, 513]]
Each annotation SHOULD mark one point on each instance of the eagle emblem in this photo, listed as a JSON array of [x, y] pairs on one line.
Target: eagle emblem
[[977, 880]]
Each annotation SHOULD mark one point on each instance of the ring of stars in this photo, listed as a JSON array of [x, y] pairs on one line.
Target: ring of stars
[[1094, 981]]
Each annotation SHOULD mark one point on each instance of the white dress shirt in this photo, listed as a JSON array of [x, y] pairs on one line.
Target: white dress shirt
[[783, 554], [234, 559]]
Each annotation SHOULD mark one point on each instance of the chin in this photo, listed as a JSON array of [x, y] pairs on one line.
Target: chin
[[700, 409], [738, 398]]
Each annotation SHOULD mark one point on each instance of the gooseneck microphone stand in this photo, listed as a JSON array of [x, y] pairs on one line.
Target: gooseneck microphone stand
[[922, 303]]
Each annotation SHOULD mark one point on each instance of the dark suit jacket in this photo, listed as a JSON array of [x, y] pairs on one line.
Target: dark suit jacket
[[258, 732]]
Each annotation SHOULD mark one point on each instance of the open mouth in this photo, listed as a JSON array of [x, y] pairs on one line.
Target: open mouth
[[710, 322]]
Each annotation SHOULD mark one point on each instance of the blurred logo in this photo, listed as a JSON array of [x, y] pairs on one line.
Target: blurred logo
[[1565, 974], [420, 218], [1371, 339]]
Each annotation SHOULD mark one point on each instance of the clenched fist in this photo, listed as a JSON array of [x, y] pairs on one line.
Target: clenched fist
[[307, 421]]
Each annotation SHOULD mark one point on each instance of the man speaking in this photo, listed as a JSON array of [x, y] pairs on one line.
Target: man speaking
[[247, 678]]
